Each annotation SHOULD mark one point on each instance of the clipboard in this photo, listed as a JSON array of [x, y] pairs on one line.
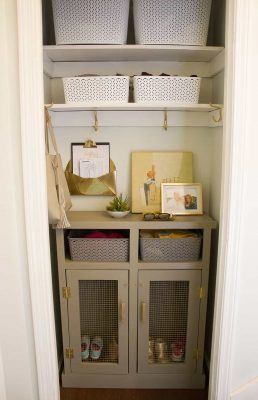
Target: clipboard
[[90, 159]]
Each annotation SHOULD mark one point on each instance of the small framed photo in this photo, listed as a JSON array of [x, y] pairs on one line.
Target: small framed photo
[[181, 198]]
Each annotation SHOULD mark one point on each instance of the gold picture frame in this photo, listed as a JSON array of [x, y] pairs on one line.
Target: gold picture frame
[[150, 169], [182, 198]]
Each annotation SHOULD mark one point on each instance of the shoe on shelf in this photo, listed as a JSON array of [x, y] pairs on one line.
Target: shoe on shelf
[[96, 347], [151, 357], [85, 347], [161, 351]]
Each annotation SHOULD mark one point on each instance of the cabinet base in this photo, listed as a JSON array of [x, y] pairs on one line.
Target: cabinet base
[[137, 381]]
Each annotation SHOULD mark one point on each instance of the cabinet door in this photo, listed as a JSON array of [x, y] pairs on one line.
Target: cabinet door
[[168, 321], [98, 321]]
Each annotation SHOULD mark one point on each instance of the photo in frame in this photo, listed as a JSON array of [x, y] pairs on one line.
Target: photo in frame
[[150, 169], [181, 198]]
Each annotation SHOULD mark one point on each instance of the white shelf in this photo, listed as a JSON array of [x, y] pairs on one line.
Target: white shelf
[[134, 114], [72, 107], [73, 60], [89, 53]]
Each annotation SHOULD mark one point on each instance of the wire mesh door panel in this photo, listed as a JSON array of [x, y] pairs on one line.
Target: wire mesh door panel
[[168, 320], [98, 321]]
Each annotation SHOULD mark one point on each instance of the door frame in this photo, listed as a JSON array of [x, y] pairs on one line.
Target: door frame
[[29, 19], [238, 55], [241, 29]]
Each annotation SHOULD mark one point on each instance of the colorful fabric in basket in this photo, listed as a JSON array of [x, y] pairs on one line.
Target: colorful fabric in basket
[[104, 235], [172, 234]]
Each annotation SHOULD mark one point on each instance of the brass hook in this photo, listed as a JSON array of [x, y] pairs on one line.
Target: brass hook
[[96, 122], [47, 107], [165, 125], [220, 116], [219, 119]]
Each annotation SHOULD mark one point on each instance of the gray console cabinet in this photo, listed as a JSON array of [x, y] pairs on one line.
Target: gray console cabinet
[[150, 316]]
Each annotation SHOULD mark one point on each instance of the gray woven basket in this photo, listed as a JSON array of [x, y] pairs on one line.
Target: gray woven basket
[[170, 250], [102, 250]]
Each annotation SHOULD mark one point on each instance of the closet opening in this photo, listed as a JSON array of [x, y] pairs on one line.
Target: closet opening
[[124, 321]]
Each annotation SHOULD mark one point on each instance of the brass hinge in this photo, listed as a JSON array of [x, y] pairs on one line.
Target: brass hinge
[[69, 353], [201, 293], [66, 292], [197, 355]]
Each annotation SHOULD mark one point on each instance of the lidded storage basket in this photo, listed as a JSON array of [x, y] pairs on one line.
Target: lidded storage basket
[[98, 250], [90, 21], [176, 89], [97, 88], [179, 22]]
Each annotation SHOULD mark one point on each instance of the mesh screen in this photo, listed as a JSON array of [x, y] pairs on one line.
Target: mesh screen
[[99, 320], [168, 321]]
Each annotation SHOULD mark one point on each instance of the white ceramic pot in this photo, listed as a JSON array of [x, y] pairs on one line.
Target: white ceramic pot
[[118, 214]]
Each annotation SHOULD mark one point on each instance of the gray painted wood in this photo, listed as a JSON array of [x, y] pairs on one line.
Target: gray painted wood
[[128, 374]]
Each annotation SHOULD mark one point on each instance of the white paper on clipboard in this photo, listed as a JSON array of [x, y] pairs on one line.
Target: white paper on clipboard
[[90, 162]]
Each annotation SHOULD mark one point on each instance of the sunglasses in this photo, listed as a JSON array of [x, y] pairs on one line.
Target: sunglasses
[[157, 216]]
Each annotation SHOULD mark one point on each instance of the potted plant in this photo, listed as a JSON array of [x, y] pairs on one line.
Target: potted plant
[[118, 207]]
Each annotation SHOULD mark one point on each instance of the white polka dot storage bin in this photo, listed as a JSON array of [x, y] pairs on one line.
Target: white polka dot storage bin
[[174, 89], [90, 21], [96, 89], [179, 22]]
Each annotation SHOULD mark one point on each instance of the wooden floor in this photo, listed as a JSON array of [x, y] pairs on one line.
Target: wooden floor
[[132, 394]]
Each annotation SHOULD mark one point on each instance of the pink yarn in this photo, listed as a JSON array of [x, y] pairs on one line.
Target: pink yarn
[[115, 235], [104, 235]]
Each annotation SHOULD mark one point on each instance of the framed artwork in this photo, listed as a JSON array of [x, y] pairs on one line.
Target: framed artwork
[[181, 198], [150, 170]]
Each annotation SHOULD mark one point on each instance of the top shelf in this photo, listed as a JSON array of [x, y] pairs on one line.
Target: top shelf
[[100, 53]]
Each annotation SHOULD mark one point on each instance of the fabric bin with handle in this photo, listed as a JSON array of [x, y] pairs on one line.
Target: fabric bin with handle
[[90, 21], [170, 250], [97, 250], [178, 89], [179, 22], [96, 89]]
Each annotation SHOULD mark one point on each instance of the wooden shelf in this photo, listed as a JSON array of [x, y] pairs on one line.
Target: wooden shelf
[[101, 220], [145, 114], [171, 265], [70, 264]]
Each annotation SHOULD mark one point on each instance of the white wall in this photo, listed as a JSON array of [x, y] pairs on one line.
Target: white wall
[[235, 345], [124, 140], [244, 374], [18, 371]]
